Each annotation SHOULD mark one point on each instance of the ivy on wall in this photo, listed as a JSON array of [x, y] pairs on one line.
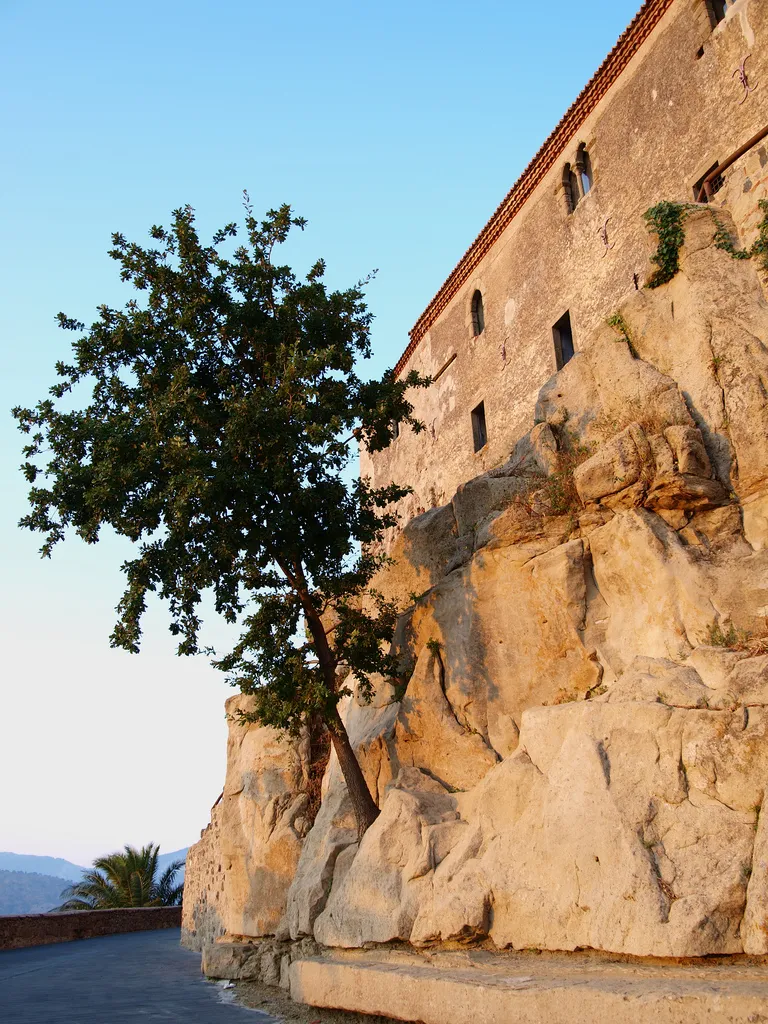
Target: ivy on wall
[[667, 220]]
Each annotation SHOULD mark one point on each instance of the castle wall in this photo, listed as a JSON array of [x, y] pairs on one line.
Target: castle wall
[[673, 114]]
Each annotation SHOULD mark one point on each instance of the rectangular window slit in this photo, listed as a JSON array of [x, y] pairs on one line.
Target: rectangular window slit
[[562, 335], [479, 429]]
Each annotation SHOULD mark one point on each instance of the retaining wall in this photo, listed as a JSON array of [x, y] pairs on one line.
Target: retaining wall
[[41, 929]]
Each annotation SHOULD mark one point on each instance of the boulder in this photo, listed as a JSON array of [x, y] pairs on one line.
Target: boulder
[[421, 555], [688, 449], [614, 466], [370, 728], [474, 500]]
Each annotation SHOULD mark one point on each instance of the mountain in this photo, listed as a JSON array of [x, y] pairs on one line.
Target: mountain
[[60, 868], [27, 892], [48, 866], [167, 858]]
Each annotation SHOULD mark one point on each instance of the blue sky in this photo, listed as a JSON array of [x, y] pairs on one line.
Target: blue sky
[[395, 128]]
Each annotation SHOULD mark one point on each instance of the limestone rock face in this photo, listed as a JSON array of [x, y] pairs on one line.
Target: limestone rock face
[[326, 850], [427, 731], [249, 854], [624, 823], [571, 755]]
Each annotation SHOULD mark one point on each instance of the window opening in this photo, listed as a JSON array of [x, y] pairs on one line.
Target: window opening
[[717, 10], [479, 429], [563, 337], [570, 195], [584, 165], [395, 429], [478, 314], [713, 186], [577, 178]]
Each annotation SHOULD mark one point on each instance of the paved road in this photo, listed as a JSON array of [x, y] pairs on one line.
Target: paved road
[[140, 978]]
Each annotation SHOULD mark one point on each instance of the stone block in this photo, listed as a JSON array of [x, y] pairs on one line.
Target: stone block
[[688, 448], [615, 465], [528, 989]]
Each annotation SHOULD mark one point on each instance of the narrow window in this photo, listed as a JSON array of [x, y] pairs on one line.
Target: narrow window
[[563, 338], [717, 10], [395, 429], [571, 197], [479, 430], [702, 193], [577, 178], [478, 314], [584, 165]]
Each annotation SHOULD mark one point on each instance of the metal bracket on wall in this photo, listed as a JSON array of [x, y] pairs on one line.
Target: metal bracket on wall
[[603, 232], [741, 71]]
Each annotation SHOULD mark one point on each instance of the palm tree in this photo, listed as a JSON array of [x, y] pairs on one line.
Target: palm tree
[[126, 879]]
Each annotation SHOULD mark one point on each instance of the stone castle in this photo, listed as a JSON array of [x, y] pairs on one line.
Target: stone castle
[[665, 111], [580, 757]]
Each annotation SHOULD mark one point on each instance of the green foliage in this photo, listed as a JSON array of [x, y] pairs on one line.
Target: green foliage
[[618, 323], [560, 496], [225, 409], [666, 219], [127, 879], [434, 646], [759, 249], [725, 635]]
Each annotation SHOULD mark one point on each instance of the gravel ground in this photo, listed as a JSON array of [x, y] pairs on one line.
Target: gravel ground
[[278, 1003]]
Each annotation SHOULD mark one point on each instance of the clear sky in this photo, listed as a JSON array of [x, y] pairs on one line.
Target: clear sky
[[396, 128]]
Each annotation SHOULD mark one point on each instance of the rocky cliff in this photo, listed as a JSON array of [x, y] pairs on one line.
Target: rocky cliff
[[581, 754]]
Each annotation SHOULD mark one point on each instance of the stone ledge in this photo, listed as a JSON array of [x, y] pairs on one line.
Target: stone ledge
[[527, 989], [22, 930]]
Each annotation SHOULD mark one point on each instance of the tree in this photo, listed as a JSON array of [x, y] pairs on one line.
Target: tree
[[223, 412], [127, 879]]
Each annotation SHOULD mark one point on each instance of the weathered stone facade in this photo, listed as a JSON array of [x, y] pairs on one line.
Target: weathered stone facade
[[664, 109]]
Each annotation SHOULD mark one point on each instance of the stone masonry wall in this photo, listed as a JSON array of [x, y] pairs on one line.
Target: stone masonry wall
[[674, 112], [22, 930]]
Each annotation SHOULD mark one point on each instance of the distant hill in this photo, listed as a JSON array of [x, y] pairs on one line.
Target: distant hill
[[27, 892], [41, 865], [56, 866], [167, 858]]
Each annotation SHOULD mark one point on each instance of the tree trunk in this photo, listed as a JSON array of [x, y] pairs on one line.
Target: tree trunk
[[363, 803], [366, 811]]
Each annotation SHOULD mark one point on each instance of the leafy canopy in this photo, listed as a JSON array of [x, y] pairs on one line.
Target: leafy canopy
[[224, 409]]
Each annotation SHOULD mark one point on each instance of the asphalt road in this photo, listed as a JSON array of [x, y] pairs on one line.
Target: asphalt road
[[143, 977]]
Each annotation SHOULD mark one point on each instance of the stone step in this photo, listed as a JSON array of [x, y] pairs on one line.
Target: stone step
[[486, 988]]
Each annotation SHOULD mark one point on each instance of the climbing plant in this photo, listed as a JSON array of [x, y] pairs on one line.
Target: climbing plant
[[759, 249], [666, 219]]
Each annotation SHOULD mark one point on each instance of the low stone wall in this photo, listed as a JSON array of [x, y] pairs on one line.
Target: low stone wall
[[41, 929]]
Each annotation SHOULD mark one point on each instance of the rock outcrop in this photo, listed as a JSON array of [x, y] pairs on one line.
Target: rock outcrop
[[580, 756], [240, 871]]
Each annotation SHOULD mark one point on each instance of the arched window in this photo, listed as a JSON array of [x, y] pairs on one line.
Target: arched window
[[577, 178], [584, 167], [478, 314], [571, 195]]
